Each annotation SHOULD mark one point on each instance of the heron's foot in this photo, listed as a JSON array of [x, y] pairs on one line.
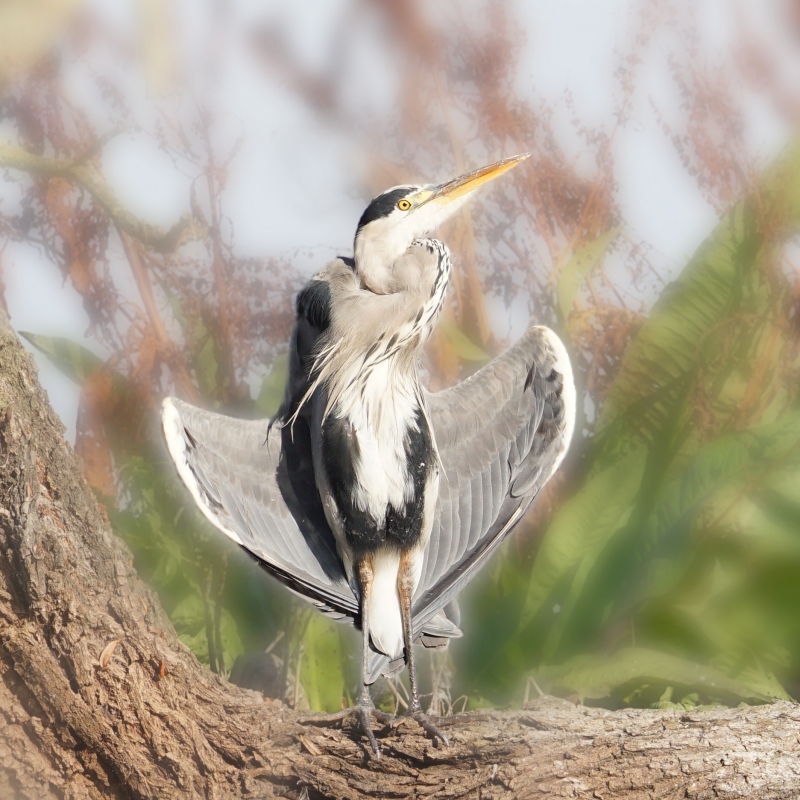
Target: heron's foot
[[360, 715], [426, 723]]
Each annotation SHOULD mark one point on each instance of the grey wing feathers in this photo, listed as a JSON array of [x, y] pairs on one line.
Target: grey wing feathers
[[255, 488], [260, 492], [500, 435]]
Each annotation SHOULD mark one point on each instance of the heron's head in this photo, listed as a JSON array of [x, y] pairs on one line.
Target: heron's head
[[398, 216]]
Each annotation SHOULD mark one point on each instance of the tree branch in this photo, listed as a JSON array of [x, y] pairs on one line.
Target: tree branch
[[83, 719], [82, 172], [169, 353]]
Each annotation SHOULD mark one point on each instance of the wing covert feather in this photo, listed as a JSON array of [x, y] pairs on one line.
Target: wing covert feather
[[500, 435], [256, 489]]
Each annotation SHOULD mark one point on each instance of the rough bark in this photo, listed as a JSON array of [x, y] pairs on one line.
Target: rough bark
[[83, 717]]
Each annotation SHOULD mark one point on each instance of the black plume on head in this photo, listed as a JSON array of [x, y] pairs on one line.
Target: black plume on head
[[382, 206]]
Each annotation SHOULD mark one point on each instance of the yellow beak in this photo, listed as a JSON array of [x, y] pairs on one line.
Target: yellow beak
[[452, 190]]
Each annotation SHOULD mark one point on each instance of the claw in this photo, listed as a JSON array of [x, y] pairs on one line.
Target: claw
[[422, 719], [360, 714]]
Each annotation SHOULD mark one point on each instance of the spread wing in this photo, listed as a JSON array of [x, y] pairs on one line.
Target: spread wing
[[258, 487], [256, 484], [501, 434]]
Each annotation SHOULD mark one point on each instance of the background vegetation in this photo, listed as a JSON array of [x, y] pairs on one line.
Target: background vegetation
[[662, 565]]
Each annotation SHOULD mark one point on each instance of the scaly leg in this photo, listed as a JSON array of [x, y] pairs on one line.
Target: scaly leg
[[365, 708], [405, 589]]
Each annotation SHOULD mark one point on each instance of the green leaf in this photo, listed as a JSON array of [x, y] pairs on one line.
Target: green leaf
[[713, 469], [206, 364], [579, 266], [201, 343], [270, 395], [75, 361], [462, 346], [321, 669], [700, 317], [580, 529], [620, 674], [189, 619]]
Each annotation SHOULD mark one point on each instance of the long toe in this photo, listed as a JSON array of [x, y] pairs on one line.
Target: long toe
[[360, 715], [363, 717], [326, 719], [422, 719]]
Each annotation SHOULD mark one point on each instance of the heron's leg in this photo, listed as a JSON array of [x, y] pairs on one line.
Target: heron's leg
[[364, 709], [405, 589], [365, 705]]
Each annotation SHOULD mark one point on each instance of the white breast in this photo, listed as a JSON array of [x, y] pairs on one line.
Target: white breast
[[381, 415], [381, 412]]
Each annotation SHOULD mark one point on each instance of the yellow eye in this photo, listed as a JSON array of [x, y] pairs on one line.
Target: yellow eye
[[403, 205]]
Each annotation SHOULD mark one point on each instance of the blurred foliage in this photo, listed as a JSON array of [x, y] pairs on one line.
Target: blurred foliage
[[28, 29], [659, 567], [577, 269], [682, 536], [462, 346]]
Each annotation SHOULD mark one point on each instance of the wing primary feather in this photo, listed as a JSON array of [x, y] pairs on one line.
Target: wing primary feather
[[266, 502], [500, 433]]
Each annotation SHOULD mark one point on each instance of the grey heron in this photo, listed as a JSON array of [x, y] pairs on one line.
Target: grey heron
[[368, 496]]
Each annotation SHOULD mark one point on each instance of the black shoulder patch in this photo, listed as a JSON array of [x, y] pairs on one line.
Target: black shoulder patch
[[382, 206], [314, 303], [351, 262]]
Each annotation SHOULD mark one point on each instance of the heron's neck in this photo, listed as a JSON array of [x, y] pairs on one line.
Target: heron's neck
[[374, 340], [375, 261]]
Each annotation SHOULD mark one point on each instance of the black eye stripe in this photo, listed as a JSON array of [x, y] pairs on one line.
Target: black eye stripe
[[382, 206]]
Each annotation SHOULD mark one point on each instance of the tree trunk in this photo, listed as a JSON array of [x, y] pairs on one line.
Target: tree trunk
[[98, 697]]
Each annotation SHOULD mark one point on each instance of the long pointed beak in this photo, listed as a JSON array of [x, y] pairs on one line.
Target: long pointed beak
[[447, 192]]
